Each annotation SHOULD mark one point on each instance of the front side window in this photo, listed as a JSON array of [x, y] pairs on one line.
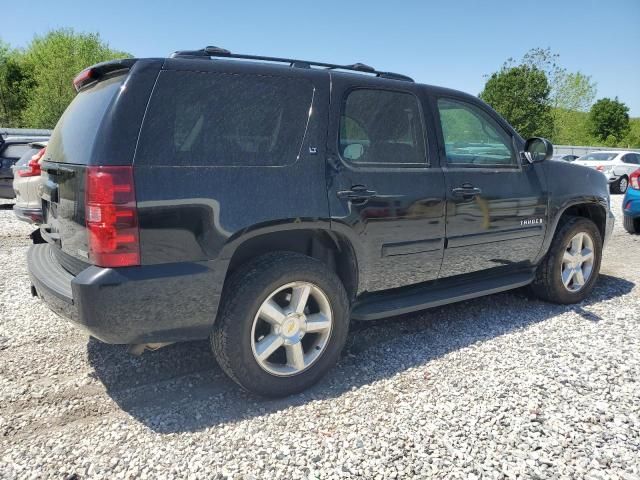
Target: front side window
[[631, 158], [472, 138], [381, 127]]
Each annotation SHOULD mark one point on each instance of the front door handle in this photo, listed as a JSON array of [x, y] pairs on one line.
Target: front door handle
[[357, 193], [466, 192]]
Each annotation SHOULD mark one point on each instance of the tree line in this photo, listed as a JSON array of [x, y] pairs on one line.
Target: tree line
[[540, 98], [535, 94], [36, 82]]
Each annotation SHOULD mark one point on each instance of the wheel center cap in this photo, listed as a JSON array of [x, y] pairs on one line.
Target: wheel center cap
[[291, 326]]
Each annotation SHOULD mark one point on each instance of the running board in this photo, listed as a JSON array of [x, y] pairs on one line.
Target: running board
[[434, 294]]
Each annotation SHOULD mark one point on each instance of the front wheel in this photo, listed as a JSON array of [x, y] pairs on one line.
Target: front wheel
[[569, 271], [282, 324]]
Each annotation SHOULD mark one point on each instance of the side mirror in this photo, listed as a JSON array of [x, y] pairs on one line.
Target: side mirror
[[537, 149]]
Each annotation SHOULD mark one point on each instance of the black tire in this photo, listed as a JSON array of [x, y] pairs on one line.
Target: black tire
[[244, 293], [616, 186], [631, 225], [548, 281]]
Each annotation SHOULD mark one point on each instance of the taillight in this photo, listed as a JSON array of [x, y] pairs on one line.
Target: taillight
[[112, 217], [33, 167], [634, 180], [600, 168]]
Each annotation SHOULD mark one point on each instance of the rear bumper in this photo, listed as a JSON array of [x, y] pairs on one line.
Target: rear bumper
[[29, 215], [155, 303], [631, 203]]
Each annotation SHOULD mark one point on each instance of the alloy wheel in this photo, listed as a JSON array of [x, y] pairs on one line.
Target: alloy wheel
[[577, 262], [291, 329]]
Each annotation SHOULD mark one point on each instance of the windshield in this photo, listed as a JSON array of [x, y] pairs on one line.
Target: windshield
[[602, 156]]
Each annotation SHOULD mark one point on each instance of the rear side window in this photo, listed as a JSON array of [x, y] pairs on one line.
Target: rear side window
[[214, 119], [381, 127], [73, 138]]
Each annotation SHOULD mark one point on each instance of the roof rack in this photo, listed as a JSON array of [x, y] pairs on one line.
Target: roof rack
[[210, 51]]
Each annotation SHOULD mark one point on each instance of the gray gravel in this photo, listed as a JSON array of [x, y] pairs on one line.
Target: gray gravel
[[501, 387]]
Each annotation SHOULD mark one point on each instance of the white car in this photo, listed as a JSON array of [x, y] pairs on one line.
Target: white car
[[616, 166], [26, 179]]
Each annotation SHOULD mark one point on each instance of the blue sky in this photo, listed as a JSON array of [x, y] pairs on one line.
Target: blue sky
[[450, 42]]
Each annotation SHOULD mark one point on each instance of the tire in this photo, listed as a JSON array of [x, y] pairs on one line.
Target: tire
[[631, 224], [620, 185], [240, 329], [548, 283]]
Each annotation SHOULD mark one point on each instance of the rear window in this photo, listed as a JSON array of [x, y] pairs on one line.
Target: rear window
[[72, 139], [215, 119]]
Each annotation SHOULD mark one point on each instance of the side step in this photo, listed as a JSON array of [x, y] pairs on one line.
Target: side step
[[434, 294]]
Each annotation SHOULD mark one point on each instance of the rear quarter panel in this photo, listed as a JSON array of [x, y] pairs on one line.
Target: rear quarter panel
[[202, 213]]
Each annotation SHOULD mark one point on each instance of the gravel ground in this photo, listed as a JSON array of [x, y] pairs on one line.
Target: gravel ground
[[501, 387]]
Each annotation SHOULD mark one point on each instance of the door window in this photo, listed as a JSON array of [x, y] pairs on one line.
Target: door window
[[631, 158], [381, 127], [472, 138]]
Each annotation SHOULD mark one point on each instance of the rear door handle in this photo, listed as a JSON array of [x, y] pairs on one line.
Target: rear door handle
[[357, 192], [466, 192]]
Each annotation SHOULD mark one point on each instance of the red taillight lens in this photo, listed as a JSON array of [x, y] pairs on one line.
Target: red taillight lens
[[83, 78], [112, 217], [600, 168], [33, 169], [634, 180]]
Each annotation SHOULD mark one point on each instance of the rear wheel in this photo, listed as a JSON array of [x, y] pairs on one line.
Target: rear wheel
[[620, 185], [570, 269], [282, 324], [631, 225]]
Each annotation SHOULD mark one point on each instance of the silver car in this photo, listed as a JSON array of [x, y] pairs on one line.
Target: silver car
[[616, 166], [26, 179]]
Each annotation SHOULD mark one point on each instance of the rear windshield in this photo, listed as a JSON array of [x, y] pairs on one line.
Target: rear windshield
[[602, 157], [214, 119], [72, 139]]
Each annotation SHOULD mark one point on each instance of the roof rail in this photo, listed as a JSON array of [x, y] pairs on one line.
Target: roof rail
[[210, 51]]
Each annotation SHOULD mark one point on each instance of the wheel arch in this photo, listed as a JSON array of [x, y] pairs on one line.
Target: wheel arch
[[333, 249], [593, 208]]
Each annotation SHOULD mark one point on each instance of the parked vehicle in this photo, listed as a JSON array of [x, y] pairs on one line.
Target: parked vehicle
[[567, 157], [262, 204], [616, 166], [13, 144], [631, 204], [26, 180]]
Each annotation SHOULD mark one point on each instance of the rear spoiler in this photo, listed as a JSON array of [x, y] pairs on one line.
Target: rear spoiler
[[93, 74]]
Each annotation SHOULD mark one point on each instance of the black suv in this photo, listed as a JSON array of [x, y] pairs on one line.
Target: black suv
[[264, 202]]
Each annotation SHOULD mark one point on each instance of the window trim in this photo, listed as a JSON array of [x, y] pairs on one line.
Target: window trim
[[383, 165], [515, 165]]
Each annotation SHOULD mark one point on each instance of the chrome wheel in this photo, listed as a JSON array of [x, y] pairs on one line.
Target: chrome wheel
[[577, 262], [291, 329]]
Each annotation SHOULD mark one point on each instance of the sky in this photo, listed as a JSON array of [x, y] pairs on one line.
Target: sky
[[453, 43]]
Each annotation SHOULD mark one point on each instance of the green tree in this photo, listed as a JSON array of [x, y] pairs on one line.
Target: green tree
[[54, 59], [16, 80], [521, 95], [609, 120], [568, 91]]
